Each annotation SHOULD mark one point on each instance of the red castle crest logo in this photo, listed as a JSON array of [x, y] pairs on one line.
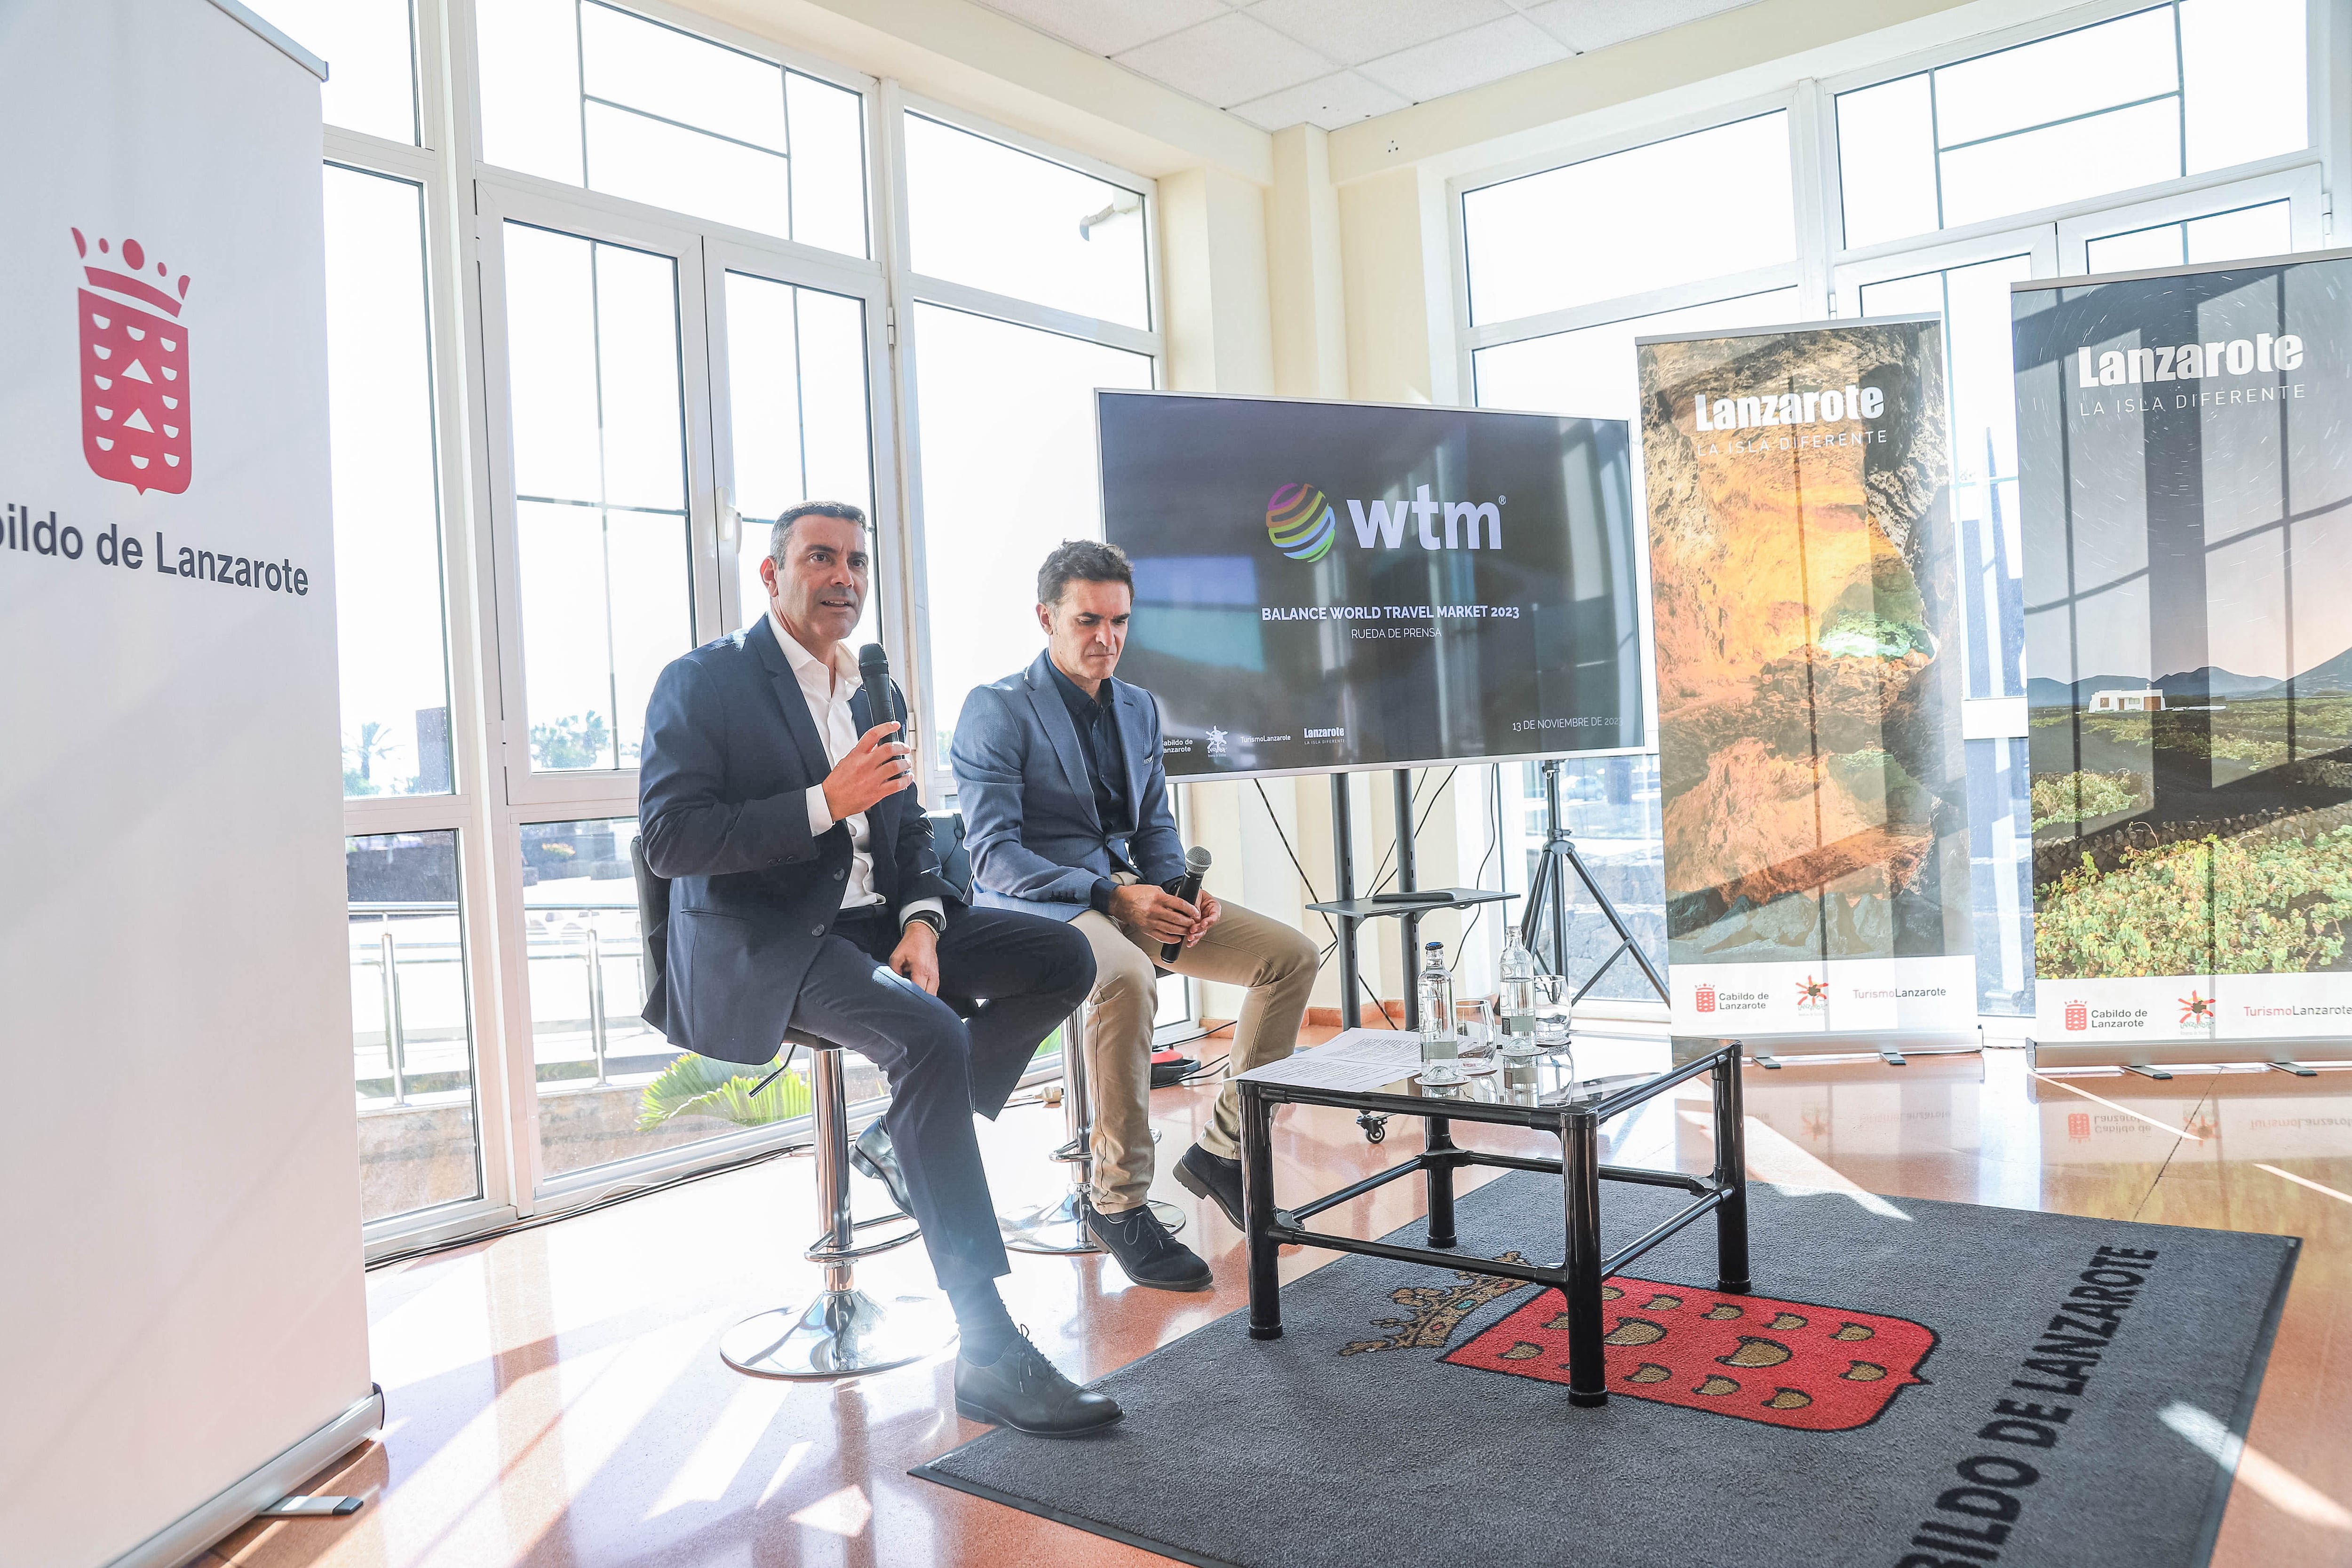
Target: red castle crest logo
[[1785, 1363], [135, 371], [1706, 998], [2078, 1015]]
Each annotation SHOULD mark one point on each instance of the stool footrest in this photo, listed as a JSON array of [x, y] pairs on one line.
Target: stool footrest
[[818, 1251]]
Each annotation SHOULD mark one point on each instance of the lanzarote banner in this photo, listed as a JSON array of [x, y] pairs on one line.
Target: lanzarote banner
[[2187, 488], [1807, 607]]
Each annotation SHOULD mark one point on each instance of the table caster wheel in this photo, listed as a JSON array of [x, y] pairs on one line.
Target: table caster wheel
[[1376, 1128]]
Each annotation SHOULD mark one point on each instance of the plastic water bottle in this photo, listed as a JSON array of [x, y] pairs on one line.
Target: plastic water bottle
[[1518, 999], [1441, 1053]]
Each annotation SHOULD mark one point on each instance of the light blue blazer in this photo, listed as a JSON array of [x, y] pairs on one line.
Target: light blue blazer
[[1028, 804]]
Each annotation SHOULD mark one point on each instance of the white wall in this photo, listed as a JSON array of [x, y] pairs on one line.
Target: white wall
[[181, 1296]]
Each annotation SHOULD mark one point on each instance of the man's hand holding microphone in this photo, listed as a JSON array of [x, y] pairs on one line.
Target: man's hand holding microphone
[[873, 770]]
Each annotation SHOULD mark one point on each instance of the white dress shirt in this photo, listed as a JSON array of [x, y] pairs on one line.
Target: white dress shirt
[[828, 691]]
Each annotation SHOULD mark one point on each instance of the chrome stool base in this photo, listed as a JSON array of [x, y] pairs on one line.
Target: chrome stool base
[[841, 1334], [1059, 1228]]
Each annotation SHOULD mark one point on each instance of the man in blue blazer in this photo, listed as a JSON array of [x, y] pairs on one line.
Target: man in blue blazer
[[1065, 814], [806, 895]]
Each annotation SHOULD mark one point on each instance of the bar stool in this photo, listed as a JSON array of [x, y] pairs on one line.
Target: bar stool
[[1060, 1226], [843, 1331]]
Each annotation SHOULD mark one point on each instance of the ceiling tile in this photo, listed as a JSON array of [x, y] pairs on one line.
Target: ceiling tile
[[1226, 61], [1588, 25], [1483, 53], [1335, 100], [1353, 31], [1108, 26]]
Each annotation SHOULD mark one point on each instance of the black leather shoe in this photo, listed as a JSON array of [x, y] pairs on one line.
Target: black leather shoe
[[1145, 1250], [1023, 1390], [1209, 1175], [873, 1156]]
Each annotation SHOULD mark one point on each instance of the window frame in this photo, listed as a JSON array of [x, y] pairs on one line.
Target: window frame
[[909, 288], [1830, 274]]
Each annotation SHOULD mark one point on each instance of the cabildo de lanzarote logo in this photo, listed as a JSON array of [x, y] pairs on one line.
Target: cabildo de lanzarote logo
[[135, 371], [1300, 522]]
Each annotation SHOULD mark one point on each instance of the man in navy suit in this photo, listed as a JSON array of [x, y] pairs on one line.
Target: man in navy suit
[[807, 896], [1065, 814]]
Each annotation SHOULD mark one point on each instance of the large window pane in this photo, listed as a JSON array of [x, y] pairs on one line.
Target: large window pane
[[610, 1087], [796, 388], [2110, 152], [411, 1047], [2247, 96], [1974, 302], [1008, 451], [371, 54], [388, 603], [2171, 90], [590, 94], [603, 545], [1001, 219], [1591, 372], [1886, 160], [1531, 240], [2060, 78], [2241, 234], [529, 55]]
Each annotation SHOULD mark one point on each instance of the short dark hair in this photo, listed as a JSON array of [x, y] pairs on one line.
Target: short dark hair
[[782, 534], [1081, 560]]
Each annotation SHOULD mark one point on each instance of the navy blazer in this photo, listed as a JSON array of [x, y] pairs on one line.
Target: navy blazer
[[1028, 802], [731, 754]]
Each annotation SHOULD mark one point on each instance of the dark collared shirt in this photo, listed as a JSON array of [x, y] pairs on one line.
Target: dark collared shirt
[[1097, 726]]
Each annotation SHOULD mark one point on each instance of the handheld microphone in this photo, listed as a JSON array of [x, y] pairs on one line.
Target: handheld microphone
[[874, 664], [1196, 862]]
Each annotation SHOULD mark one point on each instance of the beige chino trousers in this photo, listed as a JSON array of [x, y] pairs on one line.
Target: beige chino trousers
[[1241, 948]]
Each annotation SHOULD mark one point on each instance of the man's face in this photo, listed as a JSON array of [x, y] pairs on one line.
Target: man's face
[[820, 590], [1087, 630]]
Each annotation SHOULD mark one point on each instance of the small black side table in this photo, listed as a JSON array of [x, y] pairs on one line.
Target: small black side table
[[1574, 1115]]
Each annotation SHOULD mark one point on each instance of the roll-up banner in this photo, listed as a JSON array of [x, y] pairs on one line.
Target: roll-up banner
[[1807, 613], [183, 1310], [2187, 489]]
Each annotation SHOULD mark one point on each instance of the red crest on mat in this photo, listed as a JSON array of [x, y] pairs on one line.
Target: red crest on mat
[[1786, 1364], [134, 368]]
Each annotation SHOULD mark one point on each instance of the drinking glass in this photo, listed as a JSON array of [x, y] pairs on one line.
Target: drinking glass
[[1473, 1028]]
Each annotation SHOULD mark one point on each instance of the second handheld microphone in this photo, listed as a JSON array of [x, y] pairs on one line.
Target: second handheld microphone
[[1196, 863]]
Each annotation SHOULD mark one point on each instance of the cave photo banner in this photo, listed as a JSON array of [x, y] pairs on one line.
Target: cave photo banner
[[1807, 611], [2187, 484]]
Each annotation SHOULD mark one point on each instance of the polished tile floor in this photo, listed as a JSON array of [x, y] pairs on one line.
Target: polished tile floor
[[556, 1396]]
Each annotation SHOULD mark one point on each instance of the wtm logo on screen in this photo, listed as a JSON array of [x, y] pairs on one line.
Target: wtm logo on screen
[[1300, 522], [1303, 524]]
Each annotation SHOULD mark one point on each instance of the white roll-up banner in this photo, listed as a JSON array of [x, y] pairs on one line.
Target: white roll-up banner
[[181, 1295], [2188, 517], [1807, 607]]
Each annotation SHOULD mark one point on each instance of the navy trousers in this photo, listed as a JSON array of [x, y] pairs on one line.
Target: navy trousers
[[1027, 974]]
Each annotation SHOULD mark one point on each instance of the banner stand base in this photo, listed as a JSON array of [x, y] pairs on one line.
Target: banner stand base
[[2150, 1058], [194, 1531], [1891, 1046]]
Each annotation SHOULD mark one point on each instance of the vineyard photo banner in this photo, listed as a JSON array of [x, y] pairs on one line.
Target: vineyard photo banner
[[2187, 487], [1807, 607]]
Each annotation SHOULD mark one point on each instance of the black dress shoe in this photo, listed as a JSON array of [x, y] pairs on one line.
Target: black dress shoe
[[1209, 1175], [1023, 1390], [873, 1155], [1145, 1250]]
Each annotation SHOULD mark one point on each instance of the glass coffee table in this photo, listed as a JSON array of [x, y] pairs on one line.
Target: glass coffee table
[[1362, 1072]]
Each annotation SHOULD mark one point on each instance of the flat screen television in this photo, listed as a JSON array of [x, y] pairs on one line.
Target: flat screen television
[[1325, 586]]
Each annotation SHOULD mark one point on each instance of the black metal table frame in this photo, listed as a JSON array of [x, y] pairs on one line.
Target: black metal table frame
[[1577, 1125]]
